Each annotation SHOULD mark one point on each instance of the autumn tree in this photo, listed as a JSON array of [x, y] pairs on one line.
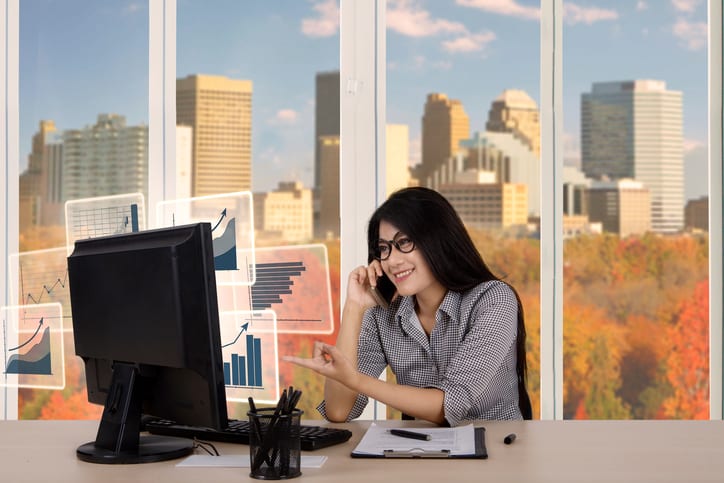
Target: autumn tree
[[688, 362]]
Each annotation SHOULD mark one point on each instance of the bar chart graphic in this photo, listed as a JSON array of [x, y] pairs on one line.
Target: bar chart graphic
[[101, 216], [293, 281], [39, 277], [245, 370], [32, 342], [250, 355]]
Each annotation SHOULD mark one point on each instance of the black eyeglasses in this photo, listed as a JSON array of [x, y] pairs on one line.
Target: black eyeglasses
[[384, 247]]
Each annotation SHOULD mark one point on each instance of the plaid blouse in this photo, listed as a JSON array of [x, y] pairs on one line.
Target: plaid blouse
[[470, 355]]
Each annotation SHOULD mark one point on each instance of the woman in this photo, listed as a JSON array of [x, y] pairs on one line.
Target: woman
[[454, 335]]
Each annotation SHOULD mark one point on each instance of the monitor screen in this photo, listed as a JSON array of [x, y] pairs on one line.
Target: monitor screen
[[146, 324]]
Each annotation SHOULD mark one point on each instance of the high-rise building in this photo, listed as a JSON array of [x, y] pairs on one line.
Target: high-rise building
[[218, 110], [397, 172], [515, 112], [33, 186], [284, 214], [327, 225], [633, 129], [107, 158], [488, 205], [326, 125], [326, 115], [622, 206], [184, 164], [444, 125], [509, 157], [696, 214]]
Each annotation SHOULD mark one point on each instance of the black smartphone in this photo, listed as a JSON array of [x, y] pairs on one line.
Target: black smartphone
[[384, 292]]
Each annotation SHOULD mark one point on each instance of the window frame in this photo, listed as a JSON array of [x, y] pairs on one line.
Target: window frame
[[362, 158]]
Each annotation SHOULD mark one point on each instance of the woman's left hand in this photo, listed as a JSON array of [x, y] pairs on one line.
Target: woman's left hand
[[328, 361]]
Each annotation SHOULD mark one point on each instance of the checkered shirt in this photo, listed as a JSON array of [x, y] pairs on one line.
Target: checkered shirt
[[470, 355]]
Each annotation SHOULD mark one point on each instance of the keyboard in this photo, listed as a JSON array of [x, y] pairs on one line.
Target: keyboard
[[312, 437]]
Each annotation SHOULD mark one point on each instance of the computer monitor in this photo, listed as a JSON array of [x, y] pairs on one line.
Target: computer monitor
[[146, 324]]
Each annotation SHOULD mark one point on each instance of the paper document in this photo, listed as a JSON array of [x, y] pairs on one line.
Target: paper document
[[458, 441]]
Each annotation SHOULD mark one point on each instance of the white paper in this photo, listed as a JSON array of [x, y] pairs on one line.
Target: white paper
[[240, 461], [459, 440]]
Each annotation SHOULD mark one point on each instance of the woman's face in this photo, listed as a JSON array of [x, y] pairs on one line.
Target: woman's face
[[408, 271]]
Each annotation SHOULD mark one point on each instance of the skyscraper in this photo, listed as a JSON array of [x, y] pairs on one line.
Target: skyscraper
[[633, 129], [218, 109], [107, 158], [515, 112], [326, 115], [326, 154], [444, 125]]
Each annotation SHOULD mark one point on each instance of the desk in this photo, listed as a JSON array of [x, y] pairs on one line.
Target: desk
[[545, 451]]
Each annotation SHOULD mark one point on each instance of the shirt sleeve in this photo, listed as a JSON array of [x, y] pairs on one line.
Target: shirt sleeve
[[371, 359], [480, 370]]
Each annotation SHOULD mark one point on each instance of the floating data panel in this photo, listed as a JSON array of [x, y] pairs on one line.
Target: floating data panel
[[40, 277], [106, 215], [293, 281], [232, 222], [251, 355], [33, 354]]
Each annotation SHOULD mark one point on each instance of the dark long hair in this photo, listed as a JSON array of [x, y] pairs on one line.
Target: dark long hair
[[433, 224]]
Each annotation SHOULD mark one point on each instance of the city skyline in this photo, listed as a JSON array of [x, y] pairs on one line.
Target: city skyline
[[462, 49]]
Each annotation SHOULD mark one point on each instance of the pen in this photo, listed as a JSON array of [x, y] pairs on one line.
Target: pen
[[410, 434], [509, 439]]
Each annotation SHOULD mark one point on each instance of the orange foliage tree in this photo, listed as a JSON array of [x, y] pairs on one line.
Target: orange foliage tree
[[688, 362]]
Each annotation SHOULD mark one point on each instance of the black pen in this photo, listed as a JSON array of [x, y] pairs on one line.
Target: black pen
[[509, 439], [410, 434]]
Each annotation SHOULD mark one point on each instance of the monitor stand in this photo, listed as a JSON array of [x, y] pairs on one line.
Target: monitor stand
[[119, 440]]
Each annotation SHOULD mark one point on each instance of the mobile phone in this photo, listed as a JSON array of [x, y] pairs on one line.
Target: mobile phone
[[384, 292]]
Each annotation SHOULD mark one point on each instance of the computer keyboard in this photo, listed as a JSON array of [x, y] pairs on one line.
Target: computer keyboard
[[312, 437]]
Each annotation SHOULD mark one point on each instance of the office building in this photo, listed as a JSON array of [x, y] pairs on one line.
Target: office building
[[327, 226], [696, 214], [444, 125], [488, 205], [575, 191], [285, 214], [397, 169], [184, 164], [33, 187], [511, 159], [326, 115], [633, 129], [622, 206], [218, 110], [107, 158], [515, 112]]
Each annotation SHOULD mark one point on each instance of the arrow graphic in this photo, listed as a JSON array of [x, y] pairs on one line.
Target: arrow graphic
[[243, 329], [223, 215], [40, 324]]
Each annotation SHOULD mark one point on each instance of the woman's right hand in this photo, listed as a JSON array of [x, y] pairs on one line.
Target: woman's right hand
[[359, 283]]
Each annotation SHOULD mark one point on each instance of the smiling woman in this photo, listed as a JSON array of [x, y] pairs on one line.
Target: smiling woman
[[454, 336]]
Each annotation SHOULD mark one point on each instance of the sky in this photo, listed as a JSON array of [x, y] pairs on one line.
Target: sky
[[79, 58]]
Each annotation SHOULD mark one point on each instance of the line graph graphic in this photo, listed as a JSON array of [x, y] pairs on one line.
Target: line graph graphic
[[107, 215], [250, 353], [32, 342], [39, 277], [232, 220], [293, 281]]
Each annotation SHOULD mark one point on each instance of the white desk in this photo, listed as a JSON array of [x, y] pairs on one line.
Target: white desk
[[545, 451]]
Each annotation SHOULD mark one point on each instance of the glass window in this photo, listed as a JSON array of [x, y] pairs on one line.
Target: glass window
[[83, 134], [635, 184], [257, 114], [463, 118]]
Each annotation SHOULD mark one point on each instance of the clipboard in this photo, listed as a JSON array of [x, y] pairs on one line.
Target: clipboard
[[481, 451]]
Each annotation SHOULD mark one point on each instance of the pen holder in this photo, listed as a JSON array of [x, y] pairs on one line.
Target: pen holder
[[274, 444]]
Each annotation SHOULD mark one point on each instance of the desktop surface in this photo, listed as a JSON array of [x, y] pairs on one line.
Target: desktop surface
[[544, 451]]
